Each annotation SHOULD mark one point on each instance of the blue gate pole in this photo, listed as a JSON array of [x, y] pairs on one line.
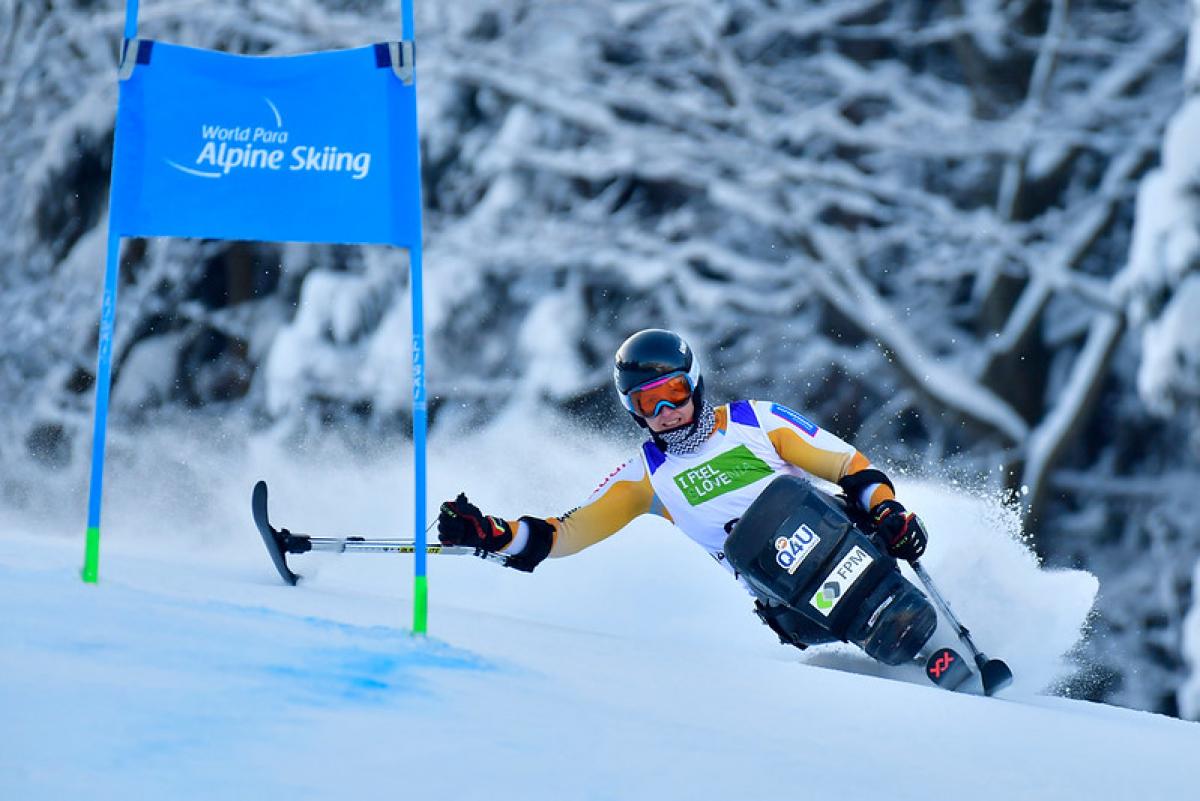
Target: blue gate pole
[[406, 21], [108, 313], [420, 578], [421, 584], [108, 316], [131, 19]]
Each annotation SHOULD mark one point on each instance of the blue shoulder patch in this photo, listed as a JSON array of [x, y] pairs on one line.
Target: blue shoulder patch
[[795, 418], [654, 456], [742, 412]]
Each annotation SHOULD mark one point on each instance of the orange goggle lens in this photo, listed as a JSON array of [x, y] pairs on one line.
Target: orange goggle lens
[[673, 391]]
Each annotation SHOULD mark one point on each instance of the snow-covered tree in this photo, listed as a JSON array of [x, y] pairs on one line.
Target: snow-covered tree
[[1161, 283], [1161, 288]]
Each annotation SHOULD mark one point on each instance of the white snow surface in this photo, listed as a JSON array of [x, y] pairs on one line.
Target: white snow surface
[[633, 670]]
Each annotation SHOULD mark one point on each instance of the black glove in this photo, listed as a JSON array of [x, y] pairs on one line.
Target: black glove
[[901, 530], [461, 523]]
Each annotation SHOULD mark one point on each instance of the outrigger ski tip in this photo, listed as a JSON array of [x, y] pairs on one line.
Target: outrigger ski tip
[[995, 674], [276, 541]]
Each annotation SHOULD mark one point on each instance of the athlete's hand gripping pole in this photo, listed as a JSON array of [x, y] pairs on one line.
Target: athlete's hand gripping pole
[[901, 530], [460, 523]]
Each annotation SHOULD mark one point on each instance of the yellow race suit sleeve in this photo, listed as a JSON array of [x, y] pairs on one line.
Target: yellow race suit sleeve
[[802, 443], [624, 495]]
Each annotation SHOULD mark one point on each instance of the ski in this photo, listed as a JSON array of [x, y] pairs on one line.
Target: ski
[[277, 542], [281, 542], [947, 669]]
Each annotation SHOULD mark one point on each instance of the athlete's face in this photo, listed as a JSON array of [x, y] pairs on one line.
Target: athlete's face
[[669, 418]]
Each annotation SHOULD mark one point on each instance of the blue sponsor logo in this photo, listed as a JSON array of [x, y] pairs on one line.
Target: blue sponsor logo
[[795, 418], [791, 551]]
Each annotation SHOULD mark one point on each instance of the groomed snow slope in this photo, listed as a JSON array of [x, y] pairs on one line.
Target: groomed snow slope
[[631, 671]]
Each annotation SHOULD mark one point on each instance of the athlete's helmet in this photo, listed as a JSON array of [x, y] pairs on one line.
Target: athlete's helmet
[[651, 357]]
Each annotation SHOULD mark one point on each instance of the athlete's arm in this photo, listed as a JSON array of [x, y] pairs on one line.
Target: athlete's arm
[[624, 495], [804, 444]]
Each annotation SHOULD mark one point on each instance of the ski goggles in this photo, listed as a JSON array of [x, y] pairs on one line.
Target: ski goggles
[[670, 391]]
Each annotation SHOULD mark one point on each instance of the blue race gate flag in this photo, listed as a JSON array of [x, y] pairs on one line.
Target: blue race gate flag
[[309, 148], [317, 147]]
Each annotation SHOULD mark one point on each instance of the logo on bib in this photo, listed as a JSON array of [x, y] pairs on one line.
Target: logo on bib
[[732, 470]]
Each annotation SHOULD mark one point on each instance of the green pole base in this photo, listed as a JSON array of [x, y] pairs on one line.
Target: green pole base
[[91, 556], [420, 605]]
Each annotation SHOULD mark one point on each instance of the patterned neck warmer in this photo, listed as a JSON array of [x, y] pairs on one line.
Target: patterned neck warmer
[[686, 439]]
